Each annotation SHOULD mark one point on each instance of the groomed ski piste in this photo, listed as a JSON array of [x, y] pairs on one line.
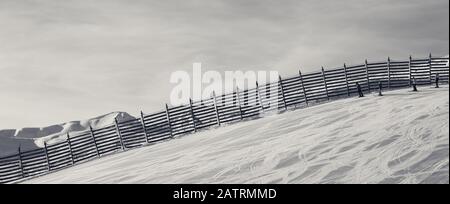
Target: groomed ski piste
[[401, 137]]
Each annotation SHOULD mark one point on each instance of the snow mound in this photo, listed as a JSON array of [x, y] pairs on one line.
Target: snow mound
[[402, 137]]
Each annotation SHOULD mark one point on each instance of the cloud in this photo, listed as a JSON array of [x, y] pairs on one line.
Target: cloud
[[67, 60]]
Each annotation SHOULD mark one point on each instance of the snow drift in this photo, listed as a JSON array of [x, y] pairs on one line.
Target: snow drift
[[402, 137]]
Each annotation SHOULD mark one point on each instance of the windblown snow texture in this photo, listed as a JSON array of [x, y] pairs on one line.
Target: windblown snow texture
[[402, 137]]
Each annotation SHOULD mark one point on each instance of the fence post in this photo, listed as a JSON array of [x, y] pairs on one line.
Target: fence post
[[346, 80], [303, 88], [93, 139], [216, 108], [46, 156], [414, 84], [258, 95], [144, 127], [168, 120], [280, 82], [389, 72], [70, 149], [436, 80], [21, 163], [192, 114], [410, 70], [430, 66], [239, 103], [116, 123], [367, 75], [325, 83]]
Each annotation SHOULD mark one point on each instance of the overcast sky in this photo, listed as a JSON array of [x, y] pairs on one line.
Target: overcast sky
[[76, 59]]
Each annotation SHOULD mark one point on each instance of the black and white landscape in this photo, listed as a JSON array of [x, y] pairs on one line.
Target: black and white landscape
[[86, 87], [399, 138]]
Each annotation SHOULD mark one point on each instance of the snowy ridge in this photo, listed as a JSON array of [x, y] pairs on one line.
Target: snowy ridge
[[30, 138], [402, 137], [99, 122]]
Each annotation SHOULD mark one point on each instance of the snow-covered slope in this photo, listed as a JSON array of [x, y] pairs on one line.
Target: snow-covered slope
[[402, 137], [30, 138]]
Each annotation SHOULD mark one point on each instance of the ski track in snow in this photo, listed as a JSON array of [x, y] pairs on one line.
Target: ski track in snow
[[402, 137]]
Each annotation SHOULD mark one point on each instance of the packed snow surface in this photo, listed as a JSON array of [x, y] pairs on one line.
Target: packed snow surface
[[402, 137]]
